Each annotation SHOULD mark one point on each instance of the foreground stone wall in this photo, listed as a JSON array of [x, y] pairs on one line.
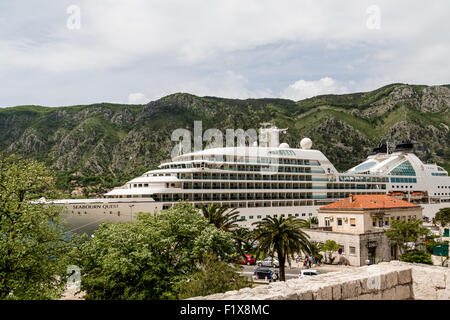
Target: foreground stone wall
[[429, 282], [384, 281]]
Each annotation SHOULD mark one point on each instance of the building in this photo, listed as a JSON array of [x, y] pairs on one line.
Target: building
[[357, 223]]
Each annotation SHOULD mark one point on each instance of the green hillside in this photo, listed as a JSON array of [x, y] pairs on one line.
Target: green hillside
[[103, 145]]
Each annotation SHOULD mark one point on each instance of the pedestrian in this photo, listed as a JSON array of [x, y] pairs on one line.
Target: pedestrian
[[305, 262], [310, 260], [289, 262]]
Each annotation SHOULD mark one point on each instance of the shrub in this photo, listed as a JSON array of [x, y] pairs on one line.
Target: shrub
[[417, 256]]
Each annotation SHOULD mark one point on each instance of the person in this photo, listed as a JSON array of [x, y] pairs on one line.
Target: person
[[296, 258], [310, 260], [289, 262], [305, 262]]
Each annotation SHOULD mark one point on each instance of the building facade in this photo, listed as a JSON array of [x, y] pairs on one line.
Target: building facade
[[357, 224]]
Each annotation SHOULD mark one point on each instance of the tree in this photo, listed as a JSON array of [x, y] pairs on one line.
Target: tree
[[148, 259], [316, 248], [417, 256], [403, 232], [329, 247], [218, 216], [310, 222], [214, 276], [442, 217], [244, 240], [33, 244], [283, 236]]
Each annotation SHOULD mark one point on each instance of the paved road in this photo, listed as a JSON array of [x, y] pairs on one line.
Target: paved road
[[290, 273], [295, 270]]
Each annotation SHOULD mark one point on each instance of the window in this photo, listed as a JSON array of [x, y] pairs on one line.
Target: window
[[250, 217], [342, 249], [339, 221], [259, 217], [404, 169], [352, 250], [352, 222], [327, 221]]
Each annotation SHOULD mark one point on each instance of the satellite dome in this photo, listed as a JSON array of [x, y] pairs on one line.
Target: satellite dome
[[306, 143], [284, 145]]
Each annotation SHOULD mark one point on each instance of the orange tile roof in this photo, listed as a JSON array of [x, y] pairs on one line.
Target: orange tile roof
[[370, 202]]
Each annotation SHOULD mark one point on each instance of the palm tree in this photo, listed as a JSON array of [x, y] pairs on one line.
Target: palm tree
[[244, 240], [316, 248], [313, 221], [217, 215], [283, 236]]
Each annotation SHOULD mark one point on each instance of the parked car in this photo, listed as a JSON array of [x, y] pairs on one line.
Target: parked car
[[307, 273], [266, 273], [268, 262], [248, 260]]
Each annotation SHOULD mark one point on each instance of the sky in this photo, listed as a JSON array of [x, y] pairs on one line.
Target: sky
[[59, 53]]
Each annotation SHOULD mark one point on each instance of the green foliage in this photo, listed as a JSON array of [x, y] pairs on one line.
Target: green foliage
[[402, 232], [310, 222], [148, 259], [417, 256], [215, 276], [218, 216], [443, 217], [283, 236], [93, 143], [329, 247], [315, 250], [34, 249]]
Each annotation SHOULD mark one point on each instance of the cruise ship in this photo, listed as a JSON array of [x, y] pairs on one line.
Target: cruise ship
[[264, 181]]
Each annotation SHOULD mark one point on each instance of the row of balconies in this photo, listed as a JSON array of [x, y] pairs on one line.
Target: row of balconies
[[256, 178]]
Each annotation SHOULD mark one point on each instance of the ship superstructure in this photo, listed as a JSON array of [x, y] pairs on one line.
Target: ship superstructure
[[264, 181]]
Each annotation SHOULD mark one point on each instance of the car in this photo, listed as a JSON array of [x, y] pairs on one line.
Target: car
[[268, 262], [266, 273], [248, 260], [308, 273]]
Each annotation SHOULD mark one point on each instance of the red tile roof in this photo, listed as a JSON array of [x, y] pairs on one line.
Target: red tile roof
[[370, 202]]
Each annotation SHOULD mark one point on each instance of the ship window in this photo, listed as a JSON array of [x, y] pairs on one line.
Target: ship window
[[404, 169]]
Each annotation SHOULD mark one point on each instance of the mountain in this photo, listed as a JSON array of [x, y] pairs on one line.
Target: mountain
[[99, 146]]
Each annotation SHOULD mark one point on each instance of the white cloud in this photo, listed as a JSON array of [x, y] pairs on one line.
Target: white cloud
[[303, 89], [192, 46], [137, 98]]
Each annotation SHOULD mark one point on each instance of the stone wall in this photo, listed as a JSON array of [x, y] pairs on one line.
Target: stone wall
[[429, 282], [384, 281]]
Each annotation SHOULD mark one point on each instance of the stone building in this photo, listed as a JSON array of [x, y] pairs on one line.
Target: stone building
[[357, 223]]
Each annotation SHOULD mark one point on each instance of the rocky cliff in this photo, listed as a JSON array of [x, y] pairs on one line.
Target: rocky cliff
[[106, 144]]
